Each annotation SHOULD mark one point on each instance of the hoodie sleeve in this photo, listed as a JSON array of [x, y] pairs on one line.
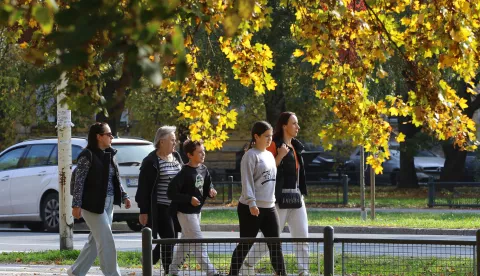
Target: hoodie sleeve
[[247, 169], [174, 191]]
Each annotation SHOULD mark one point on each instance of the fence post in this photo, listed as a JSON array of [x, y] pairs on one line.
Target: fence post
[[431, 192], [147, 259], [328, 251], [477, 248], [230, 189], [345, 189]]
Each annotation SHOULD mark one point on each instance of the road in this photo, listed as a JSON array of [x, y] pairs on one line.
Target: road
[[25, 240]]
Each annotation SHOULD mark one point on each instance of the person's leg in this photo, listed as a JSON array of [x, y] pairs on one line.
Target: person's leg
[[249, 226], [298, 225], [89, 252], [166, 230], [269, 227], [182, 249], [260, 249], [100, 227], [192, 224], [85, 259]]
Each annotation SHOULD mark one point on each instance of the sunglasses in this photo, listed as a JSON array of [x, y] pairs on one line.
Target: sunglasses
[[109, 134]]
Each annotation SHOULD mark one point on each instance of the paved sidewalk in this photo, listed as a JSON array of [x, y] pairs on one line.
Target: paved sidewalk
[[22, 269]]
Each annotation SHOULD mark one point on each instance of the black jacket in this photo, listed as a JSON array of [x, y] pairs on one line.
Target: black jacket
[[96, 183], [146, 196], [182, 188], [286, 171]]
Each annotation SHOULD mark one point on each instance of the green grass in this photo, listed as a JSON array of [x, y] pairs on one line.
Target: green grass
[[65, 257], [354, 264], [385, 197], [323, 218]]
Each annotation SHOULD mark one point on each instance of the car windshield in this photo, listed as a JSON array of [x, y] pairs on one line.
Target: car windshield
[[132, 154]]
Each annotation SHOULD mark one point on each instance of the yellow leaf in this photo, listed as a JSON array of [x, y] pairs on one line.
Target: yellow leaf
[[400, 137], [298, 53], [271, 85], [24, 45], [393, 111], [463, 103]]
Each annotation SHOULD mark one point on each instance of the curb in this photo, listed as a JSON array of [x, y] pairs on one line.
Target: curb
[[359, 230]]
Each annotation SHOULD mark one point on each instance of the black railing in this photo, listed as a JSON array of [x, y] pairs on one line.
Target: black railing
[[328, 256], [453, 194], [333, 191]]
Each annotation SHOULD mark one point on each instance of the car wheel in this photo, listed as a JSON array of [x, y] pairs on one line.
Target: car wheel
[[35, 226], [134, 225], [49, 212]]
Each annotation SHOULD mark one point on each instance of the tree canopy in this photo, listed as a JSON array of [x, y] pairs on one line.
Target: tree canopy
[[347, 42]]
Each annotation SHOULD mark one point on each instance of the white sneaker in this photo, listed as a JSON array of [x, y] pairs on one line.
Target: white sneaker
[[247, 270], [69, 272]]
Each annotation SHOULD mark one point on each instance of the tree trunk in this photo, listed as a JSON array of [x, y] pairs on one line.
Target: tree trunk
[[274, 104], [407, 177], [454, 168], [114, 93]]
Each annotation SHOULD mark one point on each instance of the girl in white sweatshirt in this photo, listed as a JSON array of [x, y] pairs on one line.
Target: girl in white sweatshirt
[[256, 207]]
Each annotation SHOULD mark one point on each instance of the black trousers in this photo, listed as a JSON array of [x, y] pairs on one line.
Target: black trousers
[[167, 228], [267, 222]]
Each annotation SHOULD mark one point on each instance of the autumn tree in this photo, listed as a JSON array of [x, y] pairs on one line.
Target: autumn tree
[[346, 47]]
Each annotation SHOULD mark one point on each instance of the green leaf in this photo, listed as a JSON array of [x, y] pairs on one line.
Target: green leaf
[[177, 39], [44, 17]]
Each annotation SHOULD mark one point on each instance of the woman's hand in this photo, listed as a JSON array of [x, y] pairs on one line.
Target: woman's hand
[[77, 212], [143, 219], [212, 192], [254, 211], [283, 150], [195, 202], [127, 203]]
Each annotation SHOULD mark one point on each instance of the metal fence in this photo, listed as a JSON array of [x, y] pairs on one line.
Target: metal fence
[[333, 191], [454, 194], [326, 256]]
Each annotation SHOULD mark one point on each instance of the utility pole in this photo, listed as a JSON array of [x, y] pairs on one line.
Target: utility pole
[[372, 193], [64, 128], [363, 213]]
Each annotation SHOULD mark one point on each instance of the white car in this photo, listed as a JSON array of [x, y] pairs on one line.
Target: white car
[[29, 180]]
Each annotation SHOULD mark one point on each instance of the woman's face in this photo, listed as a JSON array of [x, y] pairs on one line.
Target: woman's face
[[291, 128], [168, 143], [105, 138], [263, 141]]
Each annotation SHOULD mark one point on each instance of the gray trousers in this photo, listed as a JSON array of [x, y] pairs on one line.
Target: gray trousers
[[191, 230], [100, 242]]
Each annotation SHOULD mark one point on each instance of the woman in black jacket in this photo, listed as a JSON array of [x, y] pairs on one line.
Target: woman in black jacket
[[97, 189], [156, 171]]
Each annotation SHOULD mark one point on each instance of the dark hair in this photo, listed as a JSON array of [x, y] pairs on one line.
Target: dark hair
[[190, 146], [97, 128], [282, 121], [259, 128]]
